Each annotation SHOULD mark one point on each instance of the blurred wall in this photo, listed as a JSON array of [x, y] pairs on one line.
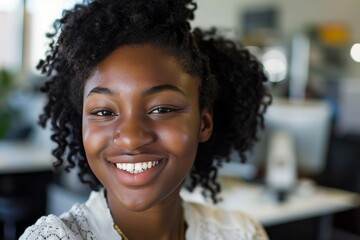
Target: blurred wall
[[294, 14]]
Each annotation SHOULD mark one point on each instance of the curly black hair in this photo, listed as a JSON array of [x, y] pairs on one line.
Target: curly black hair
[[232, 80]]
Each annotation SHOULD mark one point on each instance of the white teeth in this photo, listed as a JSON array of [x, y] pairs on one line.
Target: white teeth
[[129, 167], [136, 167], [144, 165]]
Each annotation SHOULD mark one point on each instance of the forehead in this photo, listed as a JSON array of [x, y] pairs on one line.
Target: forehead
[[142, 65]]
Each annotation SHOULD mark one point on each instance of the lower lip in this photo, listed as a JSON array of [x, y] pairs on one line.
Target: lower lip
[[139, 179]]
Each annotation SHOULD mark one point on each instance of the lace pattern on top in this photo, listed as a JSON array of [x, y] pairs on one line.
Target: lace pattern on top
[[209, 231], [70, 226]]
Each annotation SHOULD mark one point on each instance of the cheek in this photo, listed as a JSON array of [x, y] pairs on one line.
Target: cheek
[[95, 139], [182, 140]]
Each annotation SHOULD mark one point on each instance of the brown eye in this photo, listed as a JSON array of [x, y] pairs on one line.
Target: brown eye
[[103, 113], [163, 110]]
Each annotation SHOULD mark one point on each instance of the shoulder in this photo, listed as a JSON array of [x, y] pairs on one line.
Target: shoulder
[[206, 222], [52, 227], [74, 224]]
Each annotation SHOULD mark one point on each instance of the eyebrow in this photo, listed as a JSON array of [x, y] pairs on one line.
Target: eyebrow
[[161, 88], [101, 90], [150, 91]]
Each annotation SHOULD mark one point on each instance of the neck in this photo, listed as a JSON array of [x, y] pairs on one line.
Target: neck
[[162, 221]]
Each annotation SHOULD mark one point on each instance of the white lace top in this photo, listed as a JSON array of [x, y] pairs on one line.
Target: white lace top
[[92, 220]]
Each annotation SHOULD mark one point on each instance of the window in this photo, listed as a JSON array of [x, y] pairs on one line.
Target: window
[[40, 17], [10, 34], [22, 32]]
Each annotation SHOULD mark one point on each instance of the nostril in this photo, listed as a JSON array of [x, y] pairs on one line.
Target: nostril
[[133, 139]]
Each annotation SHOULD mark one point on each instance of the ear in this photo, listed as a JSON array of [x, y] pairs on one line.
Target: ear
[[206, 124]]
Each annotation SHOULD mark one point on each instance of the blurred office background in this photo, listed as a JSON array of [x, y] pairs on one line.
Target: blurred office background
[[311, 53]]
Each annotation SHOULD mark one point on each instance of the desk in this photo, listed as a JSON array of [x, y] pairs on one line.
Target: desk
[[253, 199], [19, 157]]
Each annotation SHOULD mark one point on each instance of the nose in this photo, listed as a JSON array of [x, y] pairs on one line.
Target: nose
[[133, 133]]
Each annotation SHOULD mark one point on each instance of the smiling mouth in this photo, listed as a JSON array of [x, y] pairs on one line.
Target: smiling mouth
[[135, 168]]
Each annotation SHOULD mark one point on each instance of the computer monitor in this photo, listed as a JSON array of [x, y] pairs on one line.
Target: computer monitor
[[308, 122]]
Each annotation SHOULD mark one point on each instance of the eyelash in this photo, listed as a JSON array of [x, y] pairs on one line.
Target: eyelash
[[163, 110], [155, 110], [103, 113]]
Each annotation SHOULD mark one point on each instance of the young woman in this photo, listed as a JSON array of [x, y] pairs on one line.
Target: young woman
[[138, 101]]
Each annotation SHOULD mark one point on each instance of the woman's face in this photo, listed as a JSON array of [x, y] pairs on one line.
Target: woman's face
[[142, 125]]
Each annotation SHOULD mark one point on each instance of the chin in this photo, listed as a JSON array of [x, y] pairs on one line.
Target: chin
[[135, 200]]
